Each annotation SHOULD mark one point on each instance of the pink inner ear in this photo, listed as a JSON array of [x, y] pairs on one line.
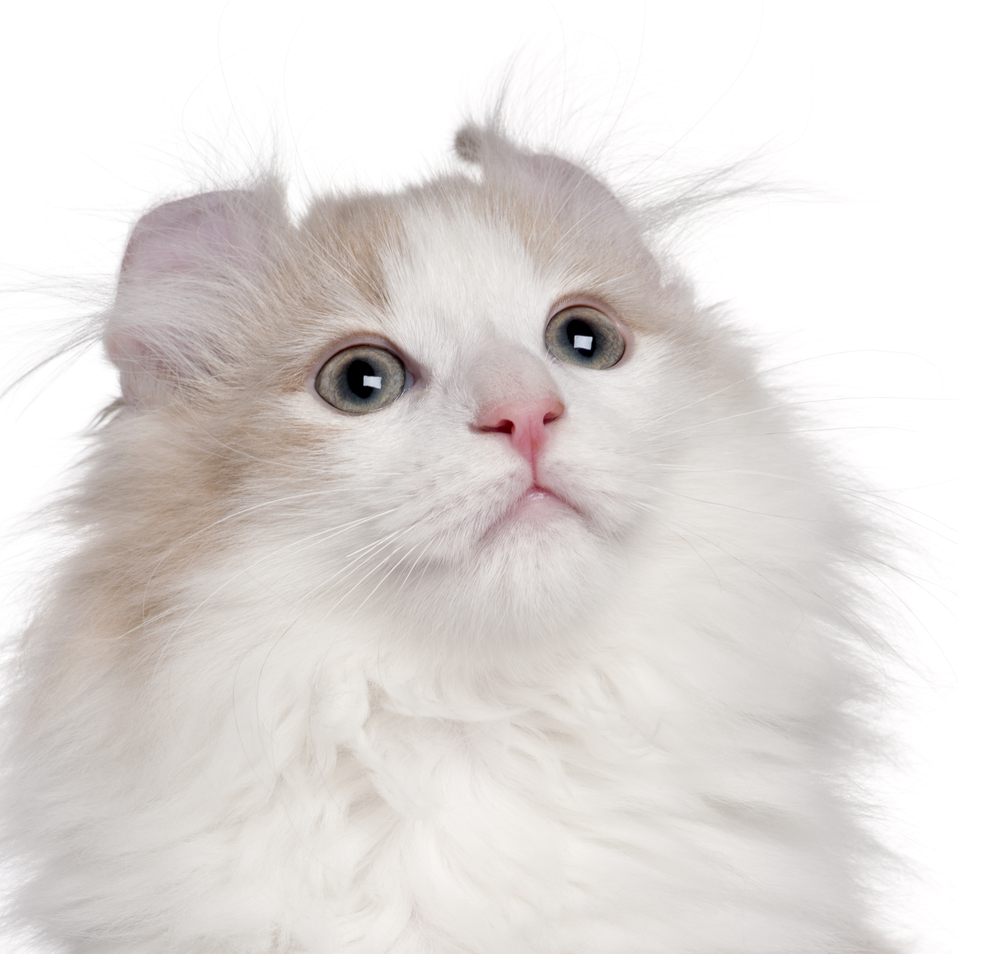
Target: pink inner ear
[[138, 365], [123, 347], [555, 174], [200, 235]]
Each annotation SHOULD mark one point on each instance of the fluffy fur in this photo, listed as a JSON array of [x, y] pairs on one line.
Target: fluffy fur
[[306, 686]]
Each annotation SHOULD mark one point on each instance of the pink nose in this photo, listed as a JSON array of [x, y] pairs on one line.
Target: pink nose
[[525, 422]]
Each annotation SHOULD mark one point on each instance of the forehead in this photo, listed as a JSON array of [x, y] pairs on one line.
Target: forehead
[[464, 276]]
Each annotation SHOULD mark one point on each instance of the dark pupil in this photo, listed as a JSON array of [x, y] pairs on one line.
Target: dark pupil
[[356, 372], [577, 328]]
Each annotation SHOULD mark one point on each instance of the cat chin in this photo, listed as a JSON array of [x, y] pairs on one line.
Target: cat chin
[[536, 576]]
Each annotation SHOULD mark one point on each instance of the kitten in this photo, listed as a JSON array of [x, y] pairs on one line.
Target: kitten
[[449, 581]]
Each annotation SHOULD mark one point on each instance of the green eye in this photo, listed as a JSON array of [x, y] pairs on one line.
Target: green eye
[[583, 336], [361, 379]]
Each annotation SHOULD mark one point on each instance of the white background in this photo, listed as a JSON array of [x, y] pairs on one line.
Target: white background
[[876, 291]]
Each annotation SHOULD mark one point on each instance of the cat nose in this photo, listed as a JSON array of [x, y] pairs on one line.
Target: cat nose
[[525, 422]]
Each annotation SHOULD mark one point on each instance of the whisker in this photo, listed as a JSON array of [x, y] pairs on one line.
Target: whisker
[[326, 533], [388, 573]]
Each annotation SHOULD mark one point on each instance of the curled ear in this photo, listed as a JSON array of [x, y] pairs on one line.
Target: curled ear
[[559, 191], [207, 234], [186, 265], [572, 188]]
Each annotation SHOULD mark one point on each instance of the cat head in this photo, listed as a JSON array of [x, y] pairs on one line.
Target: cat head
[[447, 408]]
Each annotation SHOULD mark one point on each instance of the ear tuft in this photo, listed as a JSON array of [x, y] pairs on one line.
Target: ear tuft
[[480, 144], [469, 143]]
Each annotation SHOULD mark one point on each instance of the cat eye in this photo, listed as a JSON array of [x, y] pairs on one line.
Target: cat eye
[[361, 379], [583, 336]]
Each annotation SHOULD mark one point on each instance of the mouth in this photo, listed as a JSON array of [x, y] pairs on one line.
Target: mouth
[[537, 495], [537, 507]]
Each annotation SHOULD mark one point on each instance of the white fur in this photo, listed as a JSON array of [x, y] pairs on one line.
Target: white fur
[[346, 721]]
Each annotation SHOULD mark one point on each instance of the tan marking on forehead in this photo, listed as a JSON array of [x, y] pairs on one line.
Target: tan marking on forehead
[[331, 282], [353, 235]]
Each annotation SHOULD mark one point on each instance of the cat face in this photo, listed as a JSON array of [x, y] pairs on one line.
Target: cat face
[[532, 372], [512, 475]]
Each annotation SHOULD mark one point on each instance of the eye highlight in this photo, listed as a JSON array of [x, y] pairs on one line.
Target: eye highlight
[[361, 379], [583, 336]]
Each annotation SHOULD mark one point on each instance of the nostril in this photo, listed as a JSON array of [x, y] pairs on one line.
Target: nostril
[[518, 416], [501, 427]]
